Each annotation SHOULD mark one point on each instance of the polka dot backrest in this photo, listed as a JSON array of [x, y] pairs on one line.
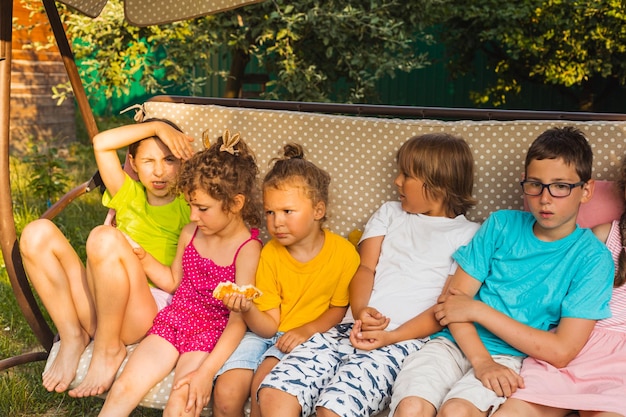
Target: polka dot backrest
[[359, 152]]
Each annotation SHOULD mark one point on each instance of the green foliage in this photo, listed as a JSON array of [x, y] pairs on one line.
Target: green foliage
[[310, 45], [576, 46], [307, 45], [48, 179]]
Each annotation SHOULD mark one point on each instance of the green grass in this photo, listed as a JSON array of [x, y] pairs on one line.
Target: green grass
[[21, 391]]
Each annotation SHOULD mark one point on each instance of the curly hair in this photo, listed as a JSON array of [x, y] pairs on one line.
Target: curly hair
[[223, 176]]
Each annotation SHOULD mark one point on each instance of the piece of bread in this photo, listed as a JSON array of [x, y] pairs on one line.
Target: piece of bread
[[226, 288]]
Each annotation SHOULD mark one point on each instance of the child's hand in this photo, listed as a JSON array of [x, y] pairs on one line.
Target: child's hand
[[137, 249], [367, 340], [500, 379], [288, 341], [372, 319], [455, 307], [237, 303], [199, 391], [177, 142]]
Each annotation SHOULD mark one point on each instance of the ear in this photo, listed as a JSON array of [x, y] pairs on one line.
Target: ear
[[238, 202], [319, 210], [588, 188], [131, 160]]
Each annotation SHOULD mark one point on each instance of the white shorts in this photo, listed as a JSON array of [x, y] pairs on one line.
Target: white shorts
[[440, 371], [162, 298]]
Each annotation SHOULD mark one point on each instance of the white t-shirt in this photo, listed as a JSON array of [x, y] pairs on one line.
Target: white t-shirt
[[415, 259]]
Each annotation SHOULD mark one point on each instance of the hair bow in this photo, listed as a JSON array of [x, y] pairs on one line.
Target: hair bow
[[228, 142]]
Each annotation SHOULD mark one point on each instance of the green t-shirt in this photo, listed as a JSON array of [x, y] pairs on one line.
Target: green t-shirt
[[155, 228]]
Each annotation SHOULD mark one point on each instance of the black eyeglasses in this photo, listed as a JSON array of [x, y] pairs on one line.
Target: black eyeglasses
[[556, 189]]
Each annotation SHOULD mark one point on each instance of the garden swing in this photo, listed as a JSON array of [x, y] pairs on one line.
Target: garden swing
[[354, 143]]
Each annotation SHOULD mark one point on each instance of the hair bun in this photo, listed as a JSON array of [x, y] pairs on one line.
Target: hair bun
[[293, 151]]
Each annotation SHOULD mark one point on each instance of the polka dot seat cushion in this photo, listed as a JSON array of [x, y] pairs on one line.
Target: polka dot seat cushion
[[359, 153]]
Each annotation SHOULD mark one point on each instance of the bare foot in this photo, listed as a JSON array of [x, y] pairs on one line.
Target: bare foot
[[101, 372], [61, 373]]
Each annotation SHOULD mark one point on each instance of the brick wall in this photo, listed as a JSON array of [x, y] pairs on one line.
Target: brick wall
[[34, 113]]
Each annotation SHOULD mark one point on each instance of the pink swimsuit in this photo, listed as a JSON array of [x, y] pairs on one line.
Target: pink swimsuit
[[195, 320]]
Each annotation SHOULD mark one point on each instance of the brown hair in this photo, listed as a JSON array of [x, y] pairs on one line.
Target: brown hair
[[224, 175], [294, 167], [132, 148], [446, 166], [567, 143]]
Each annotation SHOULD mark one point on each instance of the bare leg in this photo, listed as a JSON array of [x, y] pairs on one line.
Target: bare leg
[[264, 368], [231, 392], [460, 408], [518, 408], [274, 402], [187, 363], [151, 361], [59, 277], [125, 307], [414, 407], [325, 412]]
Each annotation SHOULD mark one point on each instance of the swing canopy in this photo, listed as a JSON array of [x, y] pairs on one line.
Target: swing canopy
[[157, 12]]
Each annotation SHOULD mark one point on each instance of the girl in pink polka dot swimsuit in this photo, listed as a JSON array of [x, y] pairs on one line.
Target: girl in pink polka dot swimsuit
[[197, 330]]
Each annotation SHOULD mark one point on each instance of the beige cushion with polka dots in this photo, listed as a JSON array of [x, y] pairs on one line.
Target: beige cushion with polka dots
[[359, 153]]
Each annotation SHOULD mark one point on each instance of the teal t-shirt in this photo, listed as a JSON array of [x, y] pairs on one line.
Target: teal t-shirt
[[533, 281], [155, 228]]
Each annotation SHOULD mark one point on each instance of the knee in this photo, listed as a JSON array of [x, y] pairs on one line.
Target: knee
[[37, 236], [228, 399], [103, 242], [414, 407], [457, 408], [268, 395]]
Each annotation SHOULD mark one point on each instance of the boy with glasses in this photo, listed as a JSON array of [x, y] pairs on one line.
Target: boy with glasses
[[538, 268]]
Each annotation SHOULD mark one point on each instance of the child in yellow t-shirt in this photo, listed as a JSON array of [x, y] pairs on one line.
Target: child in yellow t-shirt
[[304, 273]]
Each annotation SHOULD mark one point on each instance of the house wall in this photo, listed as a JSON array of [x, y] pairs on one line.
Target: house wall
[[34, 113]]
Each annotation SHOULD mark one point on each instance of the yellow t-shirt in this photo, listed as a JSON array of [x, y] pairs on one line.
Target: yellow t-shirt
[[303, 291], [155, 228]]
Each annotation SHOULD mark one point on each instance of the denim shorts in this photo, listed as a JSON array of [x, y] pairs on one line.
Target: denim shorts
[[252, 350]]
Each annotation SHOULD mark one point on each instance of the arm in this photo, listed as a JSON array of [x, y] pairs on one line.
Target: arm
[[165, 277], [362, 284], [557, 348], [294, 337], [201, 381], [106, 144], [420, 326], [502, 380]]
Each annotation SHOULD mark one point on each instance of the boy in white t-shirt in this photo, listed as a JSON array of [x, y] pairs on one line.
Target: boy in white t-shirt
[[406, 258]]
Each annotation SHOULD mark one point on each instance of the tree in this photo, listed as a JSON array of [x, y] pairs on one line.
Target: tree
[[307, 46], [576, 46]]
